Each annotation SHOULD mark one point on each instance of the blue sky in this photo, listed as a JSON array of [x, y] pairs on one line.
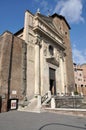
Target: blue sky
[[12, 19]]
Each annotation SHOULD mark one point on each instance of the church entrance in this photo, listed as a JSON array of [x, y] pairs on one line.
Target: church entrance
[[52, 81]]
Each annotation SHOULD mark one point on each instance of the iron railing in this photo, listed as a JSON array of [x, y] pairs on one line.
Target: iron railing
[[43, 98]]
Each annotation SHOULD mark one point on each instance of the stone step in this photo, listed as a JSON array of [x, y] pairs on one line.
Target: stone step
[[32, 106]]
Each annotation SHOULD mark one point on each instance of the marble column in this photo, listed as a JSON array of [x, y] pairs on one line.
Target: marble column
[[37, 66]]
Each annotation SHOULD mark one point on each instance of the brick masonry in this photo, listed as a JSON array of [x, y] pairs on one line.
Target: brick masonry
[[12, 68], [62, 26]]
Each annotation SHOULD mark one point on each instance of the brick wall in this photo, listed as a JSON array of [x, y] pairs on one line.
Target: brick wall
[[17, 77], [64, 30], [12, 68], [5, 51], [69, 61]]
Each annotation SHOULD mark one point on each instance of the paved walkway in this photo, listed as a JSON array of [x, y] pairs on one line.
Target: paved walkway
[[16, 120]]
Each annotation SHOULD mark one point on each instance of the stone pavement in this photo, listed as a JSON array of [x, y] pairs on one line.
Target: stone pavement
[[66, 111], [16, 120]]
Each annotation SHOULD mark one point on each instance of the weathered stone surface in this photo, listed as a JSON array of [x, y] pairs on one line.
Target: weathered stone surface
[[12, 68], [25, 69]]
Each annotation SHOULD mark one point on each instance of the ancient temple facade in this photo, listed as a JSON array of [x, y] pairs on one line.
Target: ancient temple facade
[[36, 59], [49, 54]]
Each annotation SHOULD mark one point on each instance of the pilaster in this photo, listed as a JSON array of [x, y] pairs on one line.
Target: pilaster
[[62, 71], [37, 66]]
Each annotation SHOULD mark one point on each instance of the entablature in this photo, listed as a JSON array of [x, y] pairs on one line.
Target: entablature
[[40, 26], [46, 34]]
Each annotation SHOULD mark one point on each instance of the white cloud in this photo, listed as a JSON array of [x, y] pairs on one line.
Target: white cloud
[[79, 56], [71, 9], [46, 7]]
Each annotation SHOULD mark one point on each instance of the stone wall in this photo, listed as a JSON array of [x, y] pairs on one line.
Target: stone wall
[[63, 28], [69, 61], [12, 68], [5, 53], [18, 69]]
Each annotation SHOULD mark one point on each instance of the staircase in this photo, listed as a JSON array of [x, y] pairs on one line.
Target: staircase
[[36, 104], [32, 106]]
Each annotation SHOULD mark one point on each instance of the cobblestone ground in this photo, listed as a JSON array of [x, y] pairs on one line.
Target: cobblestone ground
[[16, 120]]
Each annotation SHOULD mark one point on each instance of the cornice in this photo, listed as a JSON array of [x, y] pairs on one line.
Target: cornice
[[57, 33], [37, 28]]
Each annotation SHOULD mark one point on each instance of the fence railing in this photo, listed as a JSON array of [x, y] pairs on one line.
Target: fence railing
[[44, 97]]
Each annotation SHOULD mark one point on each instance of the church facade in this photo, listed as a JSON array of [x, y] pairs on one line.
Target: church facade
[[46, 63]]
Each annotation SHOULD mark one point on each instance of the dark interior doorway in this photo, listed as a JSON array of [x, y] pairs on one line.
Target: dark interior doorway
[[52, 81]]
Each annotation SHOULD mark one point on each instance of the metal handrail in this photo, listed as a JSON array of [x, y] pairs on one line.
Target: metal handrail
[[43, 98]]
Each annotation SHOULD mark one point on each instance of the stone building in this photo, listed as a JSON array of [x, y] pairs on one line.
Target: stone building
[[12, 68], [83, 66], [38, 58], [80, 78]]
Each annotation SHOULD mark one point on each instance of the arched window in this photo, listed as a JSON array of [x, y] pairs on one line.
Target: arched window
[[51, 50]]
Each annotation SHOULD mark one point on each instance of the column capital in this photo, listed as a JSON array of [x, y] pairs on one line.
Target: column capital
[[37, 40]]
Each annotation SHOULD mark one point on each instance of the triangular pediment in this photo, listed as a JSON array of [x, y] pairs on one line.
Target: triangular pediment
[[48, 20], [53, 61]]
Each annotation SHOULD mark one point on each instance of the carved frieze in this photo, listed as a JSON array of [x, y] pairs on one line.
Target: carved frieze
[[38, 23]]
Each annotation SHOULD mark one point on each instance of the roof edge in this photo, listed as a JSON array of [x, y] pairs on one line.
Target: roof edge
[[61, 17], [6, 32], [19, 31], [29, 12]]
